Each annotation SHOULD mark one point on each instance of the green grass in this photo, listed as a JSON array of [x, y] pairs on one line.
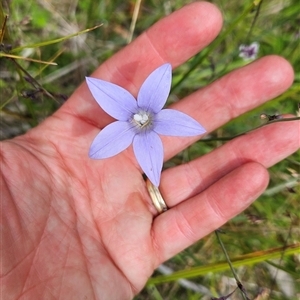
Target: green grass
[[256, 239]]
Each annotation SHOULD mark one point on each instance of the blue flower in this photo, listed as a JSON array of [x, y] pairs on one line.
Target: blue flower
[[140, 121], [249, 52]]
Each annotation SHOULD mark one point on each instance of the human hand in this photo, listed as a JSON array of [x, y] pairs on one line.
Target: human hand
[[77, 228]]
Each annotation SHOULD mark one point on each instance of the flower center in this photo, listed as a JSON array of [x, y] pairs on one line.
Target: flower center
[[142, 119]]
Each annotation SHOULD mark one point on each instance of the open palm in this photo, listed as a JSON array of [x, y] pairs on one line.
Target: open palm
[[77, 228]]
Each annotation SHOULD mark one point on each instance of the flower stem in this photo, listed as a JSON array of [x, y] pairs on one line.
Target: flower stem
[[228, 138], [239, 284]]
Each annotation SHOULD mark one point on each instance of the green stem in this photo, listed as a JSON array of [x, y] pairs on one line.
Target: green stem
[[255, 19], [228, 138], [54, 41], [240, 286]]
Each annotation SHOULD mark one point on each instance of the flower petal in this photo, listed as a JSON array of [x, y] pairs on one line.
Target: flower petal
[[148, 150], [113, 99], [155, 90], [175, 123], [111, 140]]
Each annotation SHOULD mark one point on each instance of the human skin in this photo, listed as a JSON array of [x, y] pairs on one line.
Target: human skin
[[77, 228]]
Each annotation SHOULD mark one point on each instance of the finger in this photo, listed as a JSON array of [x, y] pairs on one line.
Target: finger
[[266, 145], [233, 95], [191, 220], [174, 39]]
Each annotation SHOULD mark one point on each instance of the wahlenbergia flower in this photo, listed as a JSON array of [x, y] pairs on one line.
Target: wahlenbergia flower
[[140, 121], [249, 52]]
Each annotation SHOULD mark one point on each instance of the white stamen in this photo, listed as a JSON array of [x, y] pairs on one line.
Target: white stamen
[[138, 118], [145, 118], [141, 118]]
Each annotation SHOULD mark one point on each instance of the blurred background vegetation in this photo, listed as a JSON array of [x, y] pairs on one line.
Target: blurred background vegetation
[[262, 241]]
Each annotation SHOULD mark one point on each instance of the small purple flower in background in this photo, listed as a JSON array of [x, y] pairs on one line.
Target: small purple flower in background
[[140, 121], [249, 52]]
